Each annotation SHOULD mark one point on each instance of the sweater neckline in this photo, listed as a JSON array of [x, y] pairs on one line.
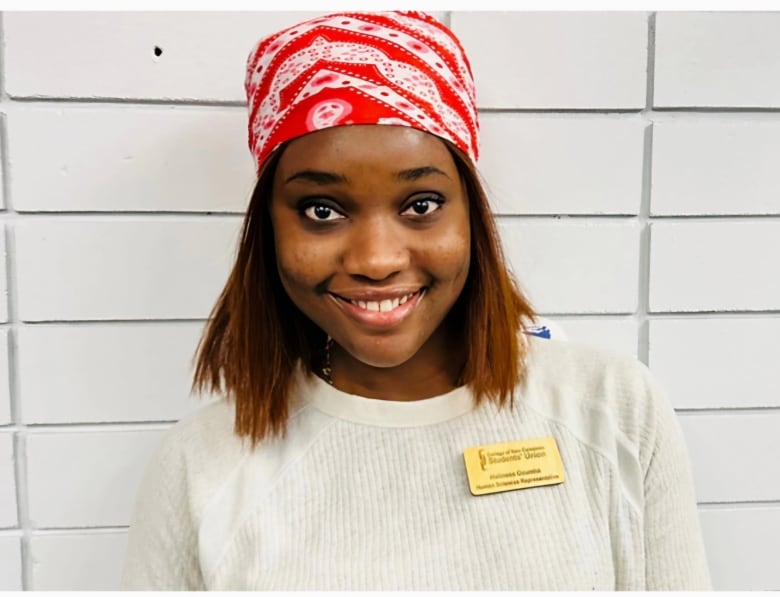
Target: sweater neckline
[[388, 413]]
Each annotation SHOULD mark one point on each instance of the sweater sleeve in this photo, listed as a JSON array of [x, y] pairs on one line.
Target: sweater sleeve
[[162, 550], [674, 550]]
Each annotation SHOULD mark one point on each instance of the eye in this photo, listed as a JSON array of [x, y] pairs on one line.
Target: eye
[[319, 212], [424, 206]]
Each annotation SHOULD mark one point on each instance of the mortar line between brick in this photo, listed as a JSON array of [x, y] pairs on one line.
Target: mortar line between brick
[[122, 216], [20, 459], [124, 103], [3, 92], [22, 506], [643, 286], [100, 426], [676, 315], [80, 530], [658, 113], [20, 447], [744, 505], [729, 410]]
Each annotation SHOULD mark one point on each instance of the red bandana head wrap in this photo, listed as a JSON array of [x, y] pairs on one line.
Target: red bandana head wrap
[[396, 68]]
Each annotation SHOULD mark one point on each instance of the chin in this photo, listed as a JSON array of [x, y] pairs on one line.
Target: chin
[[384, 362], [383, 357]]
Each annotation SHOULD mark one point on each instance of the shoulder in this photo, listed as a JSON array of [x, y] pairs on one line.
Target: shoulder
[[610, 401], [211, 425], [594, 372], [190, 464], [196, 455], [201, 454]]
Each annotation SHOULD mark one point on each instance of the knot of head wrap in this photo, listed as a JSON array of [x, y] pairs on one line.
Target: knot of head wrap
[[394, 68]]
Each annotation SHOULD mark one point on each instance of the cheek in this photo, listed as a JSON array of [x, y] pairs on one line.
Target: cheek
[[298, 260], [449, 257], [300, 263]]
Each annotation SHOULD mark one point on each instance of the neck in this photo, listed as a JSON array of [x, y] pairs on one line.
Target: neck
[[432, 371]]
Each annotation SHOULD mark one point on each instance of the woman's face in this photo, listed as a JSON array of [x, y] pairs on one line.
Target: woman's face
[[372, 236]]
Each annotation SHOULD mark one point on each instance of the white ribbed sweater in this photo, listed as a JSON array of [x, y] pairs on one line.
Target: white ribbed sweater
[[373, 494]]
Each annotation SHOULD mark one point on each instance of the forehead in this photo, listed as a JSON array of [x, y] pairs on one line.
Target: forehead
[[388, 147]]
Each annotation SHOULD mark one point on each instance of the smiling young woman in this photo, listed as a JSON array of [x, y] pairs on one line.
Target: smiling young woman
[[334, 219], [388, 422]]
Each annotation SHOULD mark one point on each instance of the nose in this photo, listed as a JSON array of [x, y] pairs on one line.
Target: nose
[[376, 249]]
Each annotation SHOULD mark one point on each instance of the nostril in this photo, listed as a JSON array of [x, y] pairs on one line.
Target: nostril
[[158, 51]]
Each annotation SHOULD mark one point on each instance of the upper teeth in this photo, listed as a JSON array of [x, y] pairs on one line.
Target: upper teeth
[[383, 306]]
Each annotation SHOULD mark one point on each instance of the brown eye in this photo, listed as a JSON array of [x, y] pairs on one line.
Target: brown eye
[[424, 206], [320, 212]]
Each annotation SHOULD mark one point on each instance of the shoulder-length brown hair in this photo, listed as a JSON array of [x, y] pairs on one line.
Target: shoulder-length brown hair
[[256, 337]]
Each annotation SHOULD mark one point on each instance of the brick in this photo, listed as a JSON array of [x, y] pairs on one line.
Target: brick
[[522, 160], [10, 563], [109, 372], [705, 168], [617, 335], [742, 546], [734, 362], [94, 474], [204, 53], [78, 561], [5, 390], [142, 159], [133, 269], [574, 267], [8, 516], [556, 59], [708, 59], [714, 266], [734, 455]]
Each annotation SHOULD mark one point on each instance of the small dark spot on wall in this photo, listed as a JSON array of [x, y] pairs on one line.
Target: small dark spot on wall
[[158, 51]]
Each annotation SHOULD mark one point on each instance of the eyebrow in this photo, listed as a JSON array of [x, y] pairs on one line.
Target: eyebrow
[[413, 174], [317, 177], [322, 178]]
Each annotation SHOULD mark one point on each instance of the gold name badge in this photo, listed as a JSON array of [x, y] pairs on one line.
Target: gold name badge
[[513, 465]]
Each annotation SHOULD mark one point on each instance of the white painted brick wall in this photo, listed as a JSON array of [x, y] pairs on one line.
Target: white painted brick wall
[[85, 479], [5, 390], [152, 159], [141, 268], [10, 563], [523, 158], [111, 54], [107, 373], [3, 278], [61, 559], [556, 60], [615, 334], [633, 225], [2, 178], [8, 516], [715, 266], [727, 532], [735, 455], [575, 267], [728, 59], [715, 168], [718, 362]]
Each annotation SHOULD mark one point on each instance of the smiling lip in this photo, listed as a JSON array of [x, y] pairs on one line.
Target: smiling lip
[[380, 310]]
